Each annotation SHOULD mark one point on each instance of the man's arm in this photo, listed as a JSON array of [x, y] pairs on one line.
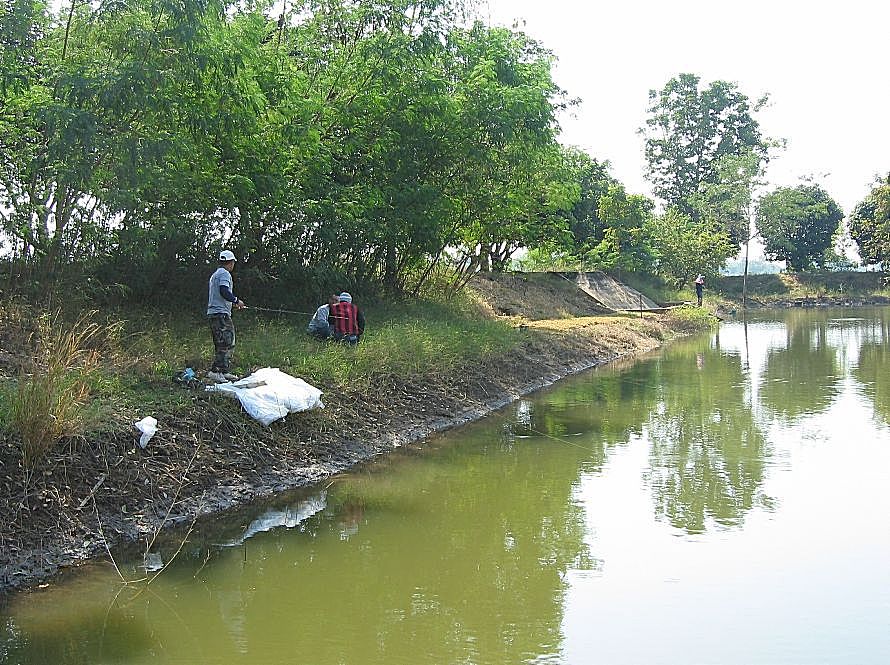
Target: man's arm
[[226, 292]]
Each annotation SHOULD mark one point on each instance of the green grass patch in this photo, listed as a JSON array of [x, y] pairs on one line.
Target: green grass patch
[[811, 284], [413, 338], [690, 319]]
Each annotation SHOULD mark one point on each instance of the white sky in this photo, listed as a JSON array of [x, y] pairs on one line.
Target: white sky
[[824, 64]]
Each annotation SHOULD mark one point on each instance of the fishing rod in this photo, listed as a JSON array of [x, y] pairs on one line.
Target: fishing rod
[[277, 311], [287, 311]]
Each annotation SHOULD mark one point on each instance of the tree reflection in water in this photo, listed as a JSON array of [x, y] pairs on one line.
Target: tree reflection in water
[[708, 455], [873, 363], [802, 378]]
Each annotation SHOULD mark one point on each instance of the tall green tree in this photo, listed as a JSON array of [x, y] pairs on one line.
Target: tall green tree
[[594, 180], [798, 224], [624, 243], [728, 202], [683, 247], [870, 224], [606, 225], [689, 130], [512, 178]]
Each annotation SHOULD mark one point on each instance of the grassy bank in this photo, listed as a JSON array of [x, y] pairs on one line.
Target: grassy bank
[[424, 365], [778, 289], [773, 290], [141, 350]]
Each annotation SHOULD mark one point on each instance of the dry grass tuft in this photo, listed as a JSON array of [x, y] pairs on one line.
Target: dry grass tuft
[[49, 402]]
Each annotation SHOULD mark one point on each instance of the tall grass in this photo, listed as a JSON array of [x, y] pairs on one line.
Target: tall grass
[[50, 400], [691, 319], [411, 338], [411, 344]]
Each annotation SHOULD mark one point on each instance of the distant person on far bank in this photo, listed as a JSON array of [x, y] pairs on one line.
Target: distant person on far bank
[[699, 288], [347, 320], [320, 325], [220, 301]]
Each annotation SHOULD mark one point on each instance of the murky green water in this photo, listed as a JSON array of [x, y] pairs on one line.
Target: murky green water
[[726, 501]]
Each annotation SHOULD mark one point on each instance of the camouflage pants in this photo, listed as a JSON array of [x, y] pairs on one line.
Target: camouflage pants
[[223, 332]]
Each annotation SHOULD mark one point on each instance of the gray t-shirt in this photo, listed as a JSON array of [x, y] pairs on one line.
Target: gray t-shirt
[[320, 319], [216, 304]]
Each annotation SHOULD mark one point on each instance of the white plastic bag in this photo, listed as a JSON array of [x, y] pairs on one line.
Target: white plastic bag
[[269, 394], [148, 426]]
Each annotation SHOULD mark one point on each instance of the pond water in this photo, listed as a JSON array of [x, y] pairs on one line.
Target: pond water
[[726, 500]]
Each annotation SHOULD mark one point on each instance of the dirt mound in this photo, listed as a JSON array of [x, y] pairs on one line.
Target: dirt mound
[[534, 296]]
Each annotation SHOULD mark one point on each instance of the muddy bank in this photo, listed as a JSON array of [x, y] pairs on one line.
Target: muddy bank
[[211, 456]]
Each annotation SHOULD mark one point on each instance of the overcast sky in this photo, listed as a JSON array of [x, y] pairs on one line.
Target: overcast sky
[[825, 66]]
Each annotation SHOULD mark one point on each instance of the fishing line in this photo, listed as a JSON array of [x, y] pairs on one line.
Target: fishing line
[[288, 311], [550, 436], [560, 439], [278, 311]]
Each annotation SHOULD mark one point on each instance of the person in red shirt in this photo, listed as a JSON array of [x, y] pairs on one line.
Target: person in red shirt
[[347, 320]]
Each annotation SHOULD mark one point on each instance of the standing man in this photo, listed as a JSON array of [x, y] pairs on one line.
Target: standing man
[[348, 320], [699, 287], [219, 312]]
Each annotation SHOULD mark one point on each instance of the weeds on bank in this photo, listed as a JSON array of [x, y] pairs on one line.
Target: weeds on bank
[[410, 339], [409, 347], [691, 319], [50, 401]]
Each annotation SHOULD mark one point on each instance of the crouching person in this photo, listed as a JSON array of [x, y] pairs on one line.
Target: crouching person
[[320, 325], [347, 320]]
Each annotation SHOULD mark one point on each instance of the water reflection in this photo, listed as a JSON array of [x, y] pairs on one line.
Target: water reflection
[[708, 454], [872, 363], [390, 570], [802, 378], [78, 627], [557, 531]]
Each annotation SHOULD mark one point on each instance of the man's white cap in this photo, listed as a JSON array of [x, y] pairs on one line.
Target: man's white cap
[[226, 255]]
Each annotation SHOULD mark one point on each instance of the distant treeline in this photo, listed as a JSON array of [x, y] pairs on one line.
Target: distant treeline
[[382, 143]]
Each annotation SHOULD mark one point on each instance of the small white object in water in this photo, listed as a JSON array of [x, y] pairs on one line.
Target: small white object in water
[[152, 562]]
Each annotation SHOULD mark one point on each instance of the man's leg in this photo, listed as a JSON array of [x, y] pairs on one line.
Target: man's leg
[[223, 331], [320, 331]]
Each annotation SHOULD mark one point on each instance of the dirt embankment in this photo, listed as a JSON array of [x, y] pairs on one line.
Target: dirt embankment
[[95, 492]]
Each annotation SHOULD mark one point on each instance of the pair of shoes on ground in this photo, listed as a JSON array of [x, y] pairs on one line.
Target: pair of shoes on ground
[[219, 377]]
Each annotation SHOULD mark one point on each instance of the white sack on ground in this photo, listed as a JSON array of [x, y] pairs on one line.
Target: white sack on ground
[[269, 394]]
